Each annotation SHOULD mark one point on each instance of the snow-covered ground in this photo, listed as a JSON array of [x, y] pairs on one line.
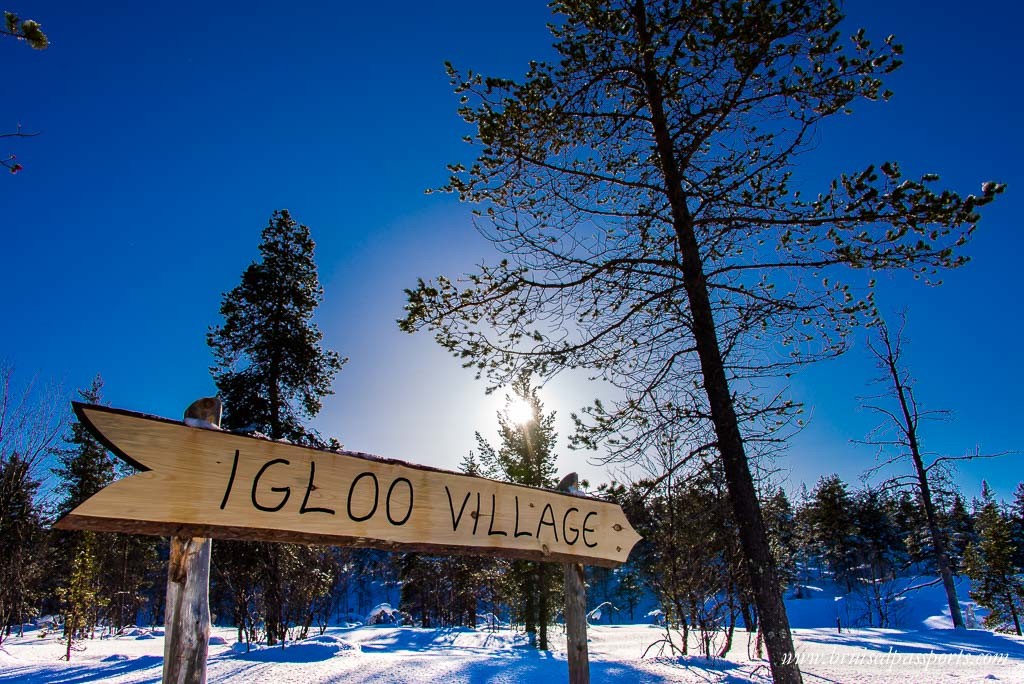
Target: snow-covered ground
[[923, 649], [386, 655]]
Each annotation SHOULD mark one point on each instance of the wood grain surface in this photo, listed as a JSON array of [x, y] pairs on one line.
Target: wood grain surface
[[223, 485]]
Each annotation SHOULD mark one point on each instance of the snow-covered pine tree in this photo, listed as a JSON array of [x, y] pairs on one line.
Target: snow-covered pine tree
[[272, 374]]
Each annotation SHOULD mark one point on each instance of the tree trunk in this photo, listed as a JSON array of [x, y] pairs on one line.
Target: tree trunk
[[187, 609], [1013, 613], [739, 483], [70, 634], [187, 618], [576, 624], [542, 607], [575, 610], [273, 592], [530, 613], [748, 617], [938, 542], [722, 652]]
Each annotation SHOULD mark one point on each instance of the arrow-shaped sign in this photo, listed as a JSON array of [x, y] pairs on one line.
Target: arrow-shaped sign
[[198, 482]]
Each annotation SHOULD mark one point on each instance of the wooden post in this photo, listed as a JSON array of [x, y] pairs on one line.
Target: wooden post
[[575, 609], [187, 610]]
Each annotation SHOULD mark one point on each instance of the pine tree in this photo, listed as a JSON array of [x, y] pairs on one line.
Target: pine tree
[[996, 580], [22, 543], [628, 588], [878, 554], [1017, 523], [129, 565], [641, 190], [901, 430], [126, 563], [526, 456], [779, 520], [806, 553], [80, 598], [961, 532], [909, 517], [270, 369], [272, 375], [85, 466], [690, 556], [833, 529]]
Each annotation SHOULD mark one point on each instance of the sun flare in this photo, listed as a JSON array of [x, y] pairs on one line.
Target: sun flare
[[519, 411]]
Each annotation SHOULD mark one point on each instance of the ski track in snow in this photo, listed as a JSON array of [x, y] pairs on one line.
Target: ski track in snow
[[400, 655]]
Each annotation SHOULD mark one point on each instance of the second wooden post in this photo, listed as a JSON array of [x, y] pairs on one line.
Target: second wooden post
[[187, 611], [575, 609]]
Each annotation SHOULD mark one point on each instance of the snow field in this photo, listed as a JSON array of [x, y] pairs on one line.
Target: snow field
[[399, 655]]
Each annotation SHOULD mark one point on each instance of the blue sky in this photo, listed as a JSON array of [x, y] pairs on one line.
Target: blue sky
[[170, 132]]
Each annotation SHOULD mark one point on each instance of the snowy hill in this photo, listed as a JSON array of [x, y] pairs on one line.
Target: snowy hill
[[908, 608]]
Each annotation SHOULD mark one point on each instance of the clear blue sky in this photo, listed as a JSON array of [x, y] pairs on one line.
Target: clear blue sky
[[171, 131]]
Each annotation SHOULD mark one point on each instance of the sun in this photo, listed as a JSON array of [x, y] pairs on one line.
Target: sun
[[519, 411]]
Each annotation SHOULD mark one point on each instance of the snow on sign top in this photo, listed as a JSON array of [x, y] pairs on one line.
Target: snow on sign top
[[216, 484]]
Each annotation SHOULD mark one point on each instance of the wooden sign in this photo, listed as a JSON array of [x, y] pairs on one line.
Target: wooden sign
[[218, 484]]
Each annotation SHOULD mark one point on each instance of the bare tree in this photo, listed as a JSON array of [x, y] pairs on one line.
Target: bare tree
[[31, 422], [32, 419], [898, 438]]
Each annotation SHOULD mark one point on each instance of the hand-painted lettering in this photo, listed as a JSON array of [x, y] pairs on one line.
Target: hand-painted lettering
[[256, 483], [231, 481], [517, 532], [376, 495], [588, 529], [494, 514], [575, 530], [476, 517], [387, 503], [309, 488], [451, 507], [548, 512]]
